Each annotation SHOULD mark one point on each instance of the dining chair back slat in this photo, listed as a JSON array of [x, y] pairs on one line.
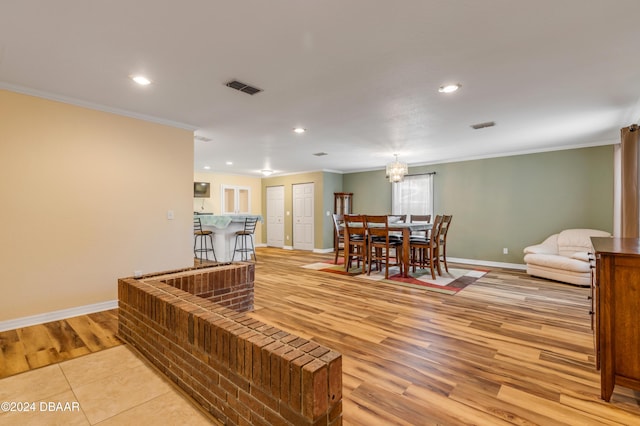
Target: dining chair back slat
[[420, 218]]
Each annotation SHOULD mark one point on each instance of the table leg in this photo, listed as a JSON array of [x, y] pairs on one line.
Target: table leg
[[405, 251]]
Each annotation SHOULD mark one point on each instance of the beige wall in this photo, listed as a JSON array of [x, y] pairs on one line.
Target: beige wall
[[213, 204], [85, 197], [288, 181]]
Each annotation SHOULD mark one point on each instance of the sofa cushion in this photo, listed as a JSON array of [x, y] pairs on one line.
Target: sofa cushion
[[563, 275], [558, 262], [577, 240]]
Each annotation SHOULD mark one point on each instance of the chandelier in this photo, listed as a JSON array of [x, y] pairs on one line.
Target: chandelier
[[396, 170]]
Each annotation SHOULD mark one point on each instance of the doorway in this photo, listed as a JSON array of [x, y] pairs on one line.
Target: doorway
[[303, 217], [275, 216]]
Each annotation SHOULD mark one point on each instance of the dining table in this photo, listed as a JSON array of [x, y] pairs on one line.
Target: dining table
[[405, 227]]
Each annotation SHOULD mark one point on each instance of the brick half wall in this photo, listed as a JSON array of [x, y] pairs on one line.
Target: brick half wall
[[242, 371]]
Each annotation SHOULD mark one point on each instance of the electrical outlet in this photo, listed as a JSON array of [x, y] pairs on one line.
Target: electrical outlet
[[505, 251]]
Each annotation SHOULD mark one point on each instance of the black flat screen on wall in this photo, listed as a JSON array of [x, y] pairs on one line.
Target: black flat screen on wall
[[201, 190]]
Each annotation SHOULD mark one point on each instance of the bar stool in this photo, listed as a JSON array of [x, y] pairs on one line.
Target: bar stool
[[201, 236], [246, 236]]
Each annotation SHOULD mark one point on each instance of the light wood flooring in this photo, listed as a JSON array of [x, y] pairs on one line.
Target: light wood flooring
[[508, 349], [40, 345]]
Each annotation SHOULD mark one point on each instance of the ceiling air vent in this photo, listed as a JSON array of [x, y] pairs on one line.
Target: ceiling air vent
[[483, 125], [202, 138], [243, 87], [320, 154]]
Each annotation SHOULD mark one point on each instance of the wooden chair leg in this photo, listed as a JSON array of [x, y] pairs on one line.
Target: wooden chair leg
[[431, 266], [444, 258]]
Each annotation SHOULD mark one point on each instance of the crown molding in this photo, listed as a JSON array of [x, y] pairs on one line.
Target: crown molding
[[90, 105]]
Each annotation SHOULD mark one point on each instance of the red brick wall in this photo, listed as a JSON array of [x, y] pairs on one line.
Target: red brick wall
[[241, 370], [227, 285]]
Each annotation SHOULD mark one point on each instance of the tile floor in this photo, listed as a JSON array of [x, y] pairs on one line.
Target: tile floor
[[111, 387]]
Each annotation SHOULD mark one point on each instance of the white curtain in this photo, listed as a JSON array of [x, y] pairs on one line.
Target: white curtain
[[414, 195]]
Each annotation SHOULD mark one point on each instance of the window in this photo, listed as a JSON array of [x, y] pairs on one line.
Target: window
[[414, 195]]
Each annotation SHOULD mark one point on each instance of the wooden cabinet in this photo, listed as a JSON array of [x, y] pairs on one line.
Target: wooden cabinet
[[235, 199], [342, 202], [617, 313]]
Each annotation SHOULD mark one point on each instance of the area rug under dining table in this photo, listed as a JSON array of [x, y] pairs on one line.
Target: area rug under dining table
[[448, 283]]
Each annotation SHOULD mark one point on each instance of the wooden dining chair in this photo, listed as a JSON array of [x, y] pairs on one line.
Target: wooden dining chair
[[338, 238], [355, 241], [396, 218], [382, 245], [424, 250], [401, 218], [442, 241], [420, 218]]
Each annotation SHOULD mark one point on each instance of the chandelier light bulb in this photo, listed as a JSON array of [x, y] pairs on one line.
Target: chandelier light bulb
[[397, 170]]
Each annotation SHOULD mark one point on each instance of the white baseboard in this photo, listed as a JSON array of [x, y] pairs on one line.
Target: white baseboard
[[326, 250], [519, 266], [57, 315], [112, 304]]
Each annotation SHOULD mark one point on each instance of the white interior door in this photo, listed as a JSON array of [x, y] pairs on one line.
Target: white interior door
[[303, 216], [275, 216]]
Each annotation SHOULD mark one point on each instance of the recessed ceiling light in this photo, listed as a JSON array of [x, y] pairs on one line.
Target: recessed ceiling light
[[141, 80], [207, 167], [229, 163], [449, 88], [299, 130], [267, 172]]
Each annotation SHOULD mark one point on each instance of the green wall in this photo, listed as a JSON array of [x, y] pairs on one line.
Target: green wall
[[507, 202], [332, 183], [371, 192]]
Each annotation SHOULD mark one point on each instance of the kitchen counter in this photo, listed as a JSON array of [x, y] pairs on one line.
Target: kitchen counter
[[224, 228]]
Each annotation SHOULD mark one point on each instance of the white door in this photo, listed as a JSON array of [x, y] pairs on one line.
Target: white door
[[303, 216], [275, 216]]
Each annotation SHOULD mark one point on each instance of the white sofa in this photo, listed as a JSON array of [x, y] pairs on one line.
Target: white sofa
[[563, 256]]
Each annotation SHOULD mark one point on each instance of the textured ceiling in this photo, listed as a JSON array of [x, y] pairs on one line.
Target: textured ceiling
[[360, 75]]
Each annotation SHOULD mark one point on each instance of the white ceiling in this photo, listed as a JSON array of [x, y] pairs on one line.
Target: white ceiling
[[360, 75]]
